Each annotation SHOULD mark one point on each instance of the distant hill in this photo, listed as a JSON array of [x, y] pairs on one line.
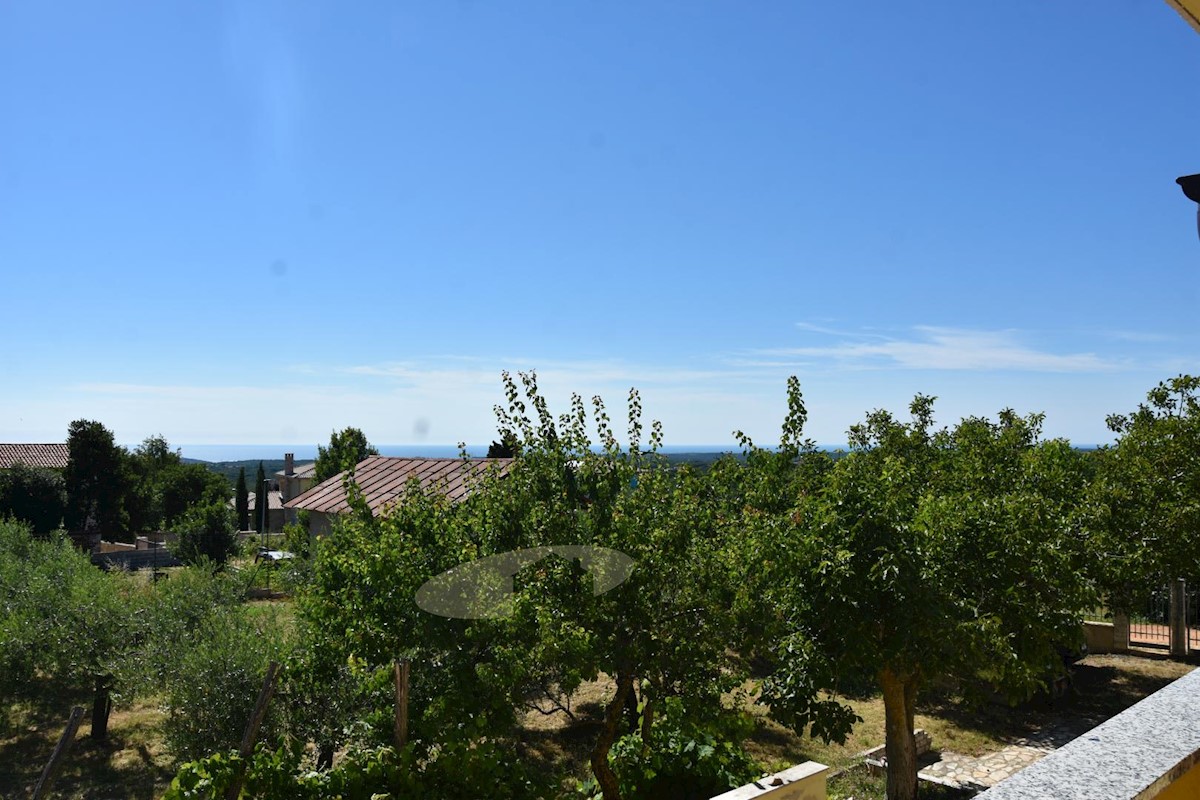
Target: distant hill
[[702, 460], [230, 468]]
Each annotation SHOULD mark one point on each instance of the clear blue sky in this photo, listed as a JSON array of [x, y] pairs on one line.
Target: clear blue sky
[[248, 222]]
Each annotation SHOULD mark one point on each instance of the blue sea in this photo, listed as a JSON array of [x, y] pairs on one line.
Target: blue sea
[[253, 452], [309, 452]]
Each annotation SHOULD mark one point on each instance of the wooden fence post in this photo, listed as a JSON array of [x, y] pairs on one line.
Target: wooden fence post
[[256, 718], [400, 669], [60, 752]]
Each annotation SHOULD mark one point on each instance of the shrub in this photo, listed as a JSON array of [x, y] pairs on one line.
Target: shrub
[[211, 690], [175, 611], [465, 772], [207, 531], [684, 759]]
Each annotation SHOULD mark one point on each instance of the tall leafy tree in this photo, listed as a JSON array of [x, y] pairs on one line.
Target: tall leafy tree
[[1146, 511], [261, 499], [952, 553], [661, 633], [147, 467], [242, 501], [95, 480], [35, 496], [188, 485], [346, 448]]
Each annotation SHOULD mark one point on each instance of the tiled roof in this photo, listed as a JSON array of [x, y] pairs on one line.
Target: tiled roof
[[383, 479], [274, 501], [51, 456], [301, 471]]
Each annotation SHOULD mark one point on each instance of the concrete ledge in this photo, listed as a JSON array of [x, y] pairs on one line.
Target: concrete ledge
[[1100, 637], [1133, 756], [802, 782]]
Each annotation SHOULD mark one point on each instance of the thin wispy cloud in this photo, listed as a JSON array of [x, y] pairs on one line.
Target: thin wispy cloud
[[936, 348], [1139, 336], [479, 371], [854, 334]]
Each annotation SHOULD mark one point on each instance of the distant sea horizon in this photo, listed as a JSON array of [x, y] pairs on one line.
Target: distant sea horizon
[[264, 452]]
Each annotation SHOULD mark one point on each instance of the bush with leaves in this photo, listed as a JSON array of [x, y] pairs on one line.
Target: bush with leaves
[[455, 772], [207, 532], [172, 615], [215, 679], [62, 620], [680, 757]]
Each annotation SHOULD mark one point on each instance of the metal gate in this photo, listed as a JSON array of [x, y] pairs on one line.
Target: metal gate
[[1151, 627], [1192, 615]]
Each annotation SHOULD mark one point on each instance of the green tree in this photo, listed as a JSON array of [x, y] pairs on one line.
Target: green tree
[[35, 496], [952, 553], [206, 532], [346, 448], [1146, 511], [661, 633], [95, 480], [261, 499], [64, 622], [214, 681], [146, 469], [186, 486], [242, 501]]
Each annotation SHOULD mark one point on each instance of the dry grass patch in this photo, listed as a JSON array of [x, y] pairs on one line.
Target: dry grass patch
[[132, 763], [1103, 686]]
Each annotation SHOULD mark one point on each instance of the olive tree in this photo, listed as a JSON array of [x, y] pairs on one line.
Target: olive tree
[[62, 620]]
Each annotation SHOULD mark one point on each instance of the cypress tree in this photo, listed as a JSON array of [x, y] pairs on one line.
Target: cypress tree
[[242, 501], [260, 498]]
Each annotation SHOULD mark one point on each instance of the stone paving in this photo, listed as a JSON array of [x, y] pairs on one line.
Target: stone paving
[[983, 772]]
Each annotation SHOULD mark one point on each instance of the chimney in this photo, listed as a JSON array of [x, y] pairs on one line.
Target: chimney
[[289, 464]]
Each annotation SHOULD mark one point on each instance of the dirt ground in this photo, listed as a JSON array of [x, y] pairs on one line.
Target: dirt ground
[[1102, 686], [134, 763]]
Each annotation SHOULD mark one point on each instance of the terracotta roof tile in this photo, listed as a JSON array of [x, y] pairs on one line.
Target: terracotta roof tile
[[300, 471], [274, 501], [383, 479], [47, 456]]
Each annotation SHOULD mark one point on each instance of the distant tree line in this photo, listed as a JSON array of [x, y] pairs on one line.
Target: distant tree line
[[111, 491]]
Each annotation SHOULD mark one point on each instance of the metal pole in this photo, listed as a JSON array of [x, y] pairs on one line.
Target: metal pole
[[266, 500]]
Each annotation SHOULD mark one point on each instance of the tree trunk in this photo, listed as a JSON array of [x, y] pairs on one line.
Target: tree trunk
[[899, 698], [647, 721], [325, 756], [101, 707], [608, 734], [631, 710]]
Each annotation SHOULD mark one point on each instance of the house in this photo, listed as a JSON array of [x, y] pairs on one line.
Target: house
[[294, 481], [42, 456], [275, 516], [383, 480]]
